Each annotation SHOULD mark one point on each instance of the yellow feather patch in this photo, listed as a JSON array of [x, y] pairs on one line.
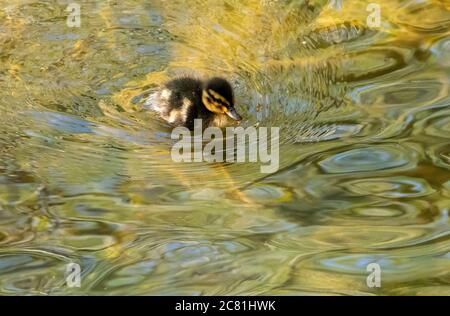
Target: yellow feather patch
[[218, 96]]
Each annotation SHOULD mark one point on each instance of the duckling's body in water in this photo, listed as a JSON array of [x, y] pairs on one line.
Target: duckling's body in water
[[184, 99]]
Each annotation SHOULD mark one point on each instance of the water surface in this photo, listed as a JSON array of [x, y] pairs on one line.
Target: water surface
[[86, 174]]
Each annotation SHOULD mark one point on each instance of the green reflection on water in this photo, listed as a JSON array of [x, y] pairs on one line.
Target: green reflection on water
[[86, 174]]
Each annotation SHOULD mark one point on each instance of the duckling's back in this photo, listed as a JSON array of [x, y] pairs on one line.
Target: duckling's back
[[178, 101]]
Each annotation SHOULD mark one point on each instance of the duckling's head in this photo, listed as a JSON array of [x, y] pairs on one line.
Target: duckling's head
[[217, 96]]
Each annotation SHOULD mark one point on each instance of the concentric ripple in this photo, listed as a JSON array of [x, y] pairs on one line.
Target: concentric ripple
[[368, 159]]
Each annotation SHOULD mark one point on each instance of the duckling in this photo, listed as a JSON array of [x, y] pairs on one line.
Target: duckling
[[184, 99]]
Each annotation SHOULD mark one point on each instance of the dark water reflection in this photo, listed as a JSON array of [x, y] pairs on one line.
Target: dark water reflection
[[86, 175]]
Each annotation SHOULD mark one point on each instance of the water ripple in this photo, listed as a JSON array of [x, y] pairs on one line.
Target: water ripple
[[367, 159]]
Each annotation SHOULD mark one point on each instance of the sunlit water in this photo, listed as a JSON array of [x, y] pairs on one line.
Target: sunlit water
[[86, 174]]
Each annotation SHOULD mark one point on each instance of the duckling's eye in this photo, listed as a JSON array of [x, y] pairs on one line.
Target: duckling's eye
[[218, 98], [214, 103]]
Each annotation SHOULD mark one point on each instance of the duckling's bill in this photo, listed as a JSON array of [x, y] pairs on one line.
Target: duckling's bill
[[231, 112]]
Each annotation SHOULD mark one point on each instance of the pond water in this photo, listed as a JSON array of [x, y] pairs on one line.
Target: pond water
[[86, 175]]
